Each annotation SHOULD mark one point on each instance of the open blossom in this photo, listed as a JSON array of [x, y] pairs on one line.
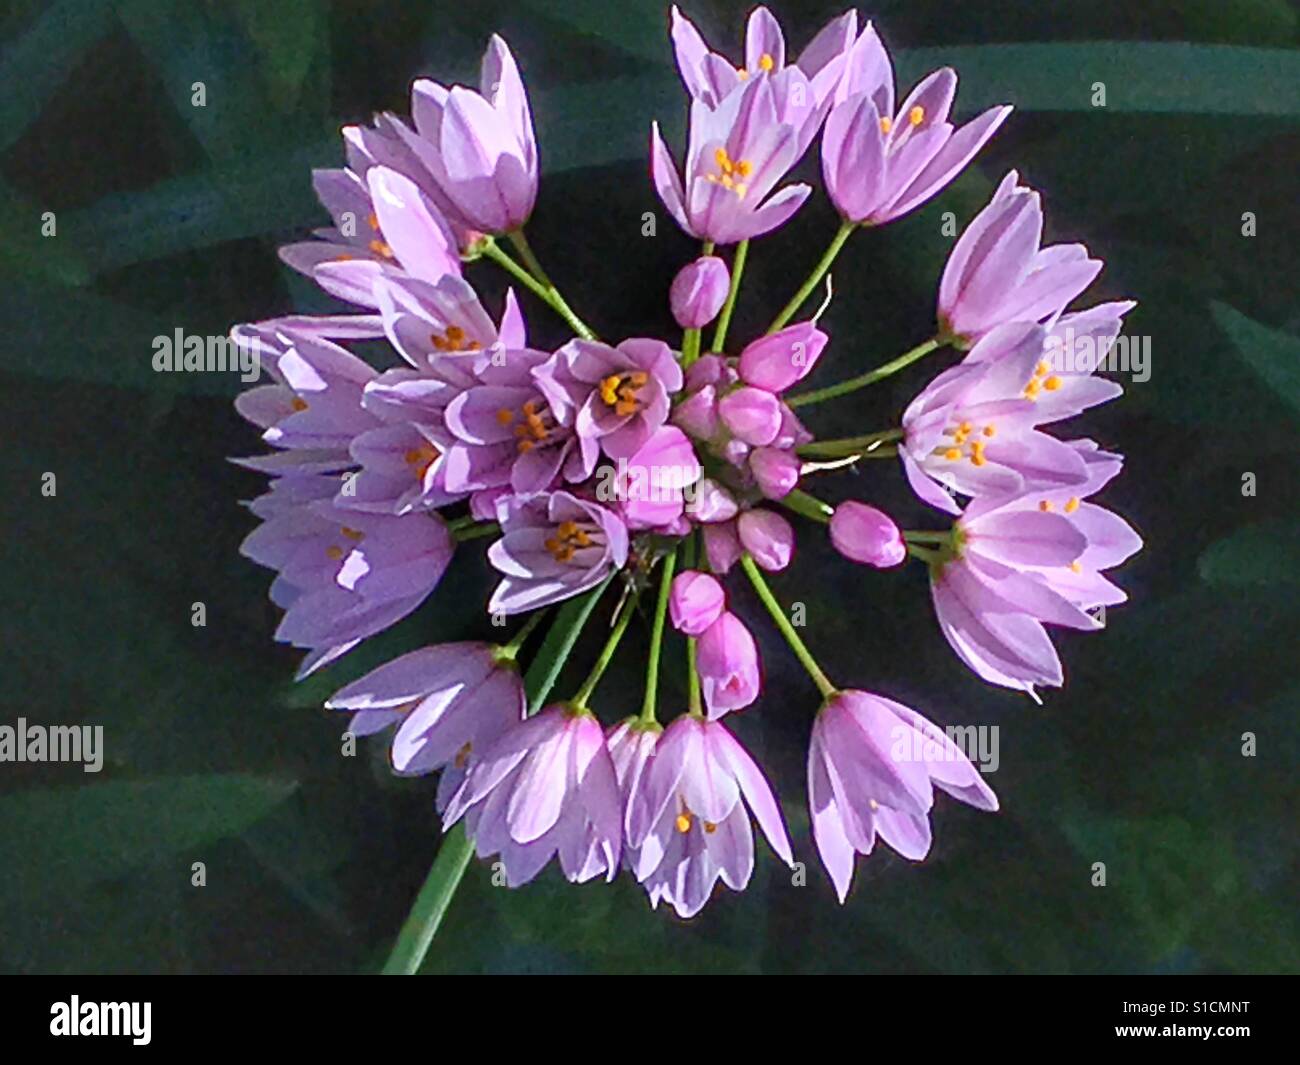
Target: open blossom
[[1024, 562], [688, 818], [448, 702], [546, 788], [619, 395], [737, 153], [345, 575], [974, 428], [817, 73], [385, 225], [653, 484], [873, 765], [880, 162], [997, 273], [552, 547], [727, 659], [479, 147]]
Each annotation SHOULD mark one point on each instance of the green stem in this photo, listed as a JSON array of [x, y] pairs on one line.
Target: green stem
[[696, 700], [449, 866], [606, 654], [557, 301], [868, 378], [724, 319], [473, 532], [819, 271], [497, 254], [648, 706], [511, 650], [927, 537], [690, 347], [927, 556], [847, 445], [430, 904], [787, 630], [808, 505]]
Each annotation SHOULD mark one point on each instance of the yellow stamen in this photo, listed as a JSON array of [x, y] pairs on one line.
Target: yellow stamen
[[710, 827], [462, 756], [952, 454], [683, 823], [298, 404], [989, 430], [886, 124], [380, 248], [766, 62], [373, 220], [505, 417], [1076, 567], [1045, 505], [333, 553], [916, 116], [1031, 389], [352, 534], [1041, 369], [1052, 383], [1072, 505]]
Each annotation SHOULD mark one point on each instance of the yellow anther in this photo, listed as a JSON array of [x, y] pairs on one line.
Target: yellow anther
[[1042, 369], [333, 553], [1031, 389], [298, 404], [1072, 505], [505, 417], [965, 427], [710, 827], [373, 220], [683, 823], [421, 458], [352, 534], [916, 116], [569, 536], [1044, 505], [380, 248], [886, 124], [723, 160], [952, 454], [989, 430], [766, 62], [742, 73], [1075, 567], [1052, 383], [744, 168], [609, 389], [462, 756]]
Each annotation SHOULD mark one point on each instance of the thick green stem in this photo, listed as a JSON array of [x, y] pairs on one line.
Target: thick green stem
[[449, 866], [724, 319], [690, 347], [819, 271], [787, 630], [868, 378], [606, 654], [649, 704], [511, 650], [808, 505], [848, 445], [696, 700]]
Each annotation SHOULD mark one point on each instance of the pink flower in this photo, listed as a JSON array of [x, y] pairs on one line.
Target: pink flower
[[652, 485], [873, 766], [688, 818], [782, 359], [695, 602], [449, 703], [738, 152], [880, 163], [546, 788], [997, 272], [864, 534], [698, 291], [727, 662], [552, 547], [776, 471], [753, 415], [479, 146], [768, 537]]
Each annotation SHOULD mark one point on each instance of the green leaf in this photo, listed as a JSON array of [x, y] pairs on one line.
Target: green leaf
[[72, 838], [1264, 554], [289, 36], [1274, 355], [1147, 77]]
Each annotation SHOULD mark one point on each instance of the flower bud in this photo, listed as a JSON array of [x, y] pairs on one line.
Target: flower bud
[[768, 537], [776, 471], [709, 502], [695, 601], [752, 414], [697, 414], [721, 546], [865, 534], [727, 662], [776, 362], [698, 291]]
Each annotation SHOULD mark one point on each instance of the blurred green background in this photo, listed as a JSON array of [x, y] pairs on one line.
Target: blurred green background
[[169, 215]]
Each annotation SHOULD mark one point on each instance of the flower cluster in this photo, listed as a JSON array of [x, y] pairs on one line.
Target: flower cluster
[[673, 463]]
